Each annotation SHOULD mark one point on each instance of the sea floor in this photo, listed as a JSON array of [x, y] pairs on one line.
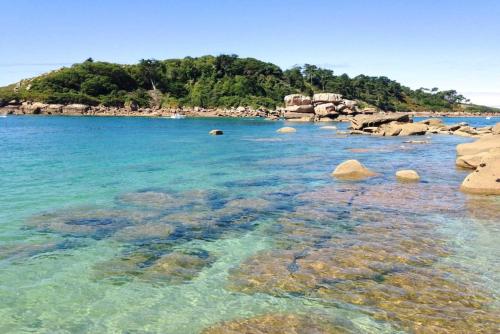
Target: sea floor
[[138, 225]]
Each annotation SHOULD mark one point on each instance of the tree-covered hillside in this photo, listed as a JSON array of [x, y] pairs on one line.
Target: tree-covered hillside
[[216, 81]]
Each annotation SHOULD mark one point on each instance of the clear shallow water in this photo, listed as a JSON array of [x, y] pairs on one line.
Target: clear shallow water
[[151, 225]]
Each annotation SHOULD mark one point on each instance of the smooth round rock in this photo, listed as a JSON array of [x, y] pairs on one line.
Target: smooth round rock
[[407, 175], [286, 129], [352, 170]]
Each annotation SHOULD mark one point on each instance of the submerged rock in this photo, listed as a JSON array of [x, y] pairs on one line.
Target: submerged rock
[[388, 265], [176, 267], [92, 223], [151, 199], [407, 175], [145, 232], [281, 324], [286, 129], [352, 170]]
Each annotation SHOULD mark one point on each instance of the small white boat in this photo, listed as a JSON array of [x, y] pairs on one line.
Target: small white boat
[[488, 117], [3, 116], [177, 116]]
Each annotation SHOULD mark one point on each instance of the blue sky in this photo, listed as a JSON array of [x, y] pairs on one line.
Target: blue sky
[[446, 44]]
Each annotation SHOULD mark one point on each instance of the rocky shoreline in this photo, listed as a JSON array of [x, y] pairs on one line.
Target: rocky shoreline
[[298, 108]]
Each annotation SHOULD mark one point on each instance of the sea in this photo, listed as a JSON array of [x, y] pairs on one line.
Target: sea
[[151, 225]]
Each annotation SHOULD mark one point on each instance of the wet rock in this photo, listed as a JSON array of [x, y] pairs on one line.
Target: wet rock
[[281, 324], [407, 175], [286, 129], [216, 132], [352, 170]]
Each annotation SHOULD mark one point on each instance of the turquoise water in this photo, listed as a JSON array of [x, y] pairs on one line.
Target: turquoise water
[[135, 225]]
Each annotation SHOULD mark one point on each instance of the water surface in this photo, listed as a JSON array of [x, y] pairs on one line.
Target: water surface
[[136, 225]]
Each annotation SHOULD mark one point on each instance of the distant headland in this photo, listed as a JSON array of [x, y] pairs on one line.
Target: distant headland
[[224, 85]]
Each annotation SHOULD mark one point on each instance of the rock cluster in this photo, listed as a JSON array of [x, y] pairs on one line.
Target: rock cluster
[[321, 107], [483, 156], [400, 124]]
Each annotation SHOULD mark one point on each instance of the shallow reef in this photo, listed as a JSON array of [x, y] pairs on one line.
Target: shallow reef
[[281, 323]]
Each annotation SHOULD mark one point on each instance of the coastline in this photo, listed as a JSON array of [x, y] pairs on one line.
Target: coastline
[[239, 112]]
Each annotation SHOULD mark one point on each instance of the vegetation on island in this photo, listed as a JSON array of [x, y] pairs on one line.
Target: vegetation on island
[[218, 81]]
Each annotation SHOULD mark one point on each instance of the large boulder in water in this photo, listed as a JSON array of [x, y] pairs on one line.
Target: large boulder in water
[[407, 175], [297, 100], [484, 144], [485, 180], [362, 121], [352, 170]]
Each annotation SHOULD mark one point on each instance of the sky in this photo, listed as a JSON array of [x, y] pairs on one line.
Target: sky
[[449, 44]]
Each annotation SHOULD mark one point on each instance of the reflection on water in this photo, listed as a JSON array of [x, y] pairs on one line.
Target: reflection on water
[[245, 234]]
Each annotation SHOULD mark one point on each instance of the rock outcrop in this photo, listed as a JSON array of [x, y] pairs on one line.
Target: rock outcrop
[[398, 124], [485, 180], [482, 145], [483, 156], [321, 107], [352, 170], [361, 122]]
